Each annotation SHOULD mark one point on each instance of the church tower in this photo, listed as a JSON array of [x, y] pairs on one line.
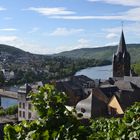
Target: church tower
[[121, 60]]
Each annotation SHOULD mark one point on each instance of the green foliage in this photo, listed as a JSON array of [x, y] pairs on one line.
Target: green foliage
[[2, 112], [105, 129], [136, 68], [126, 128], [57, 123], [9, 111], [102, 53]]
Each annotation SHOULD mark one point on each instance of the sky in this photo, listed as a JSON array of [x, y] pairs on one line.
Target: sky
[[53, 26]]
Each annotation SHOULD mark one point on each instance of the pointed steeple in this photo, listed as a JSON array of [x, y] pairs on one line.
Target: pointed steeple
[[122, 45], [121, 60]]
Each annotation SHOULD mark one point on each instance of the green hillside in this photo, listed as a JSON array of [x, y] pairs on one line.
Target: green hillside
[[101, 53], [11, 50], [104, 53]]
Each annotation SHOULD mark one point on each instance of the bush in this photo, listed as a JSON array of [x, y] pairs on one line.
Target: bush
[[9, 111], [2, 112]]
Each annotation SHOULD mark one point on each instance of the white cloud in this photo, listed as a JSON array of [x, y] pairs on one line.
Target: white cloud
[[62, 13], [2, 9], [33, 30], [129, 28], [111, 44], [8, 18], [84, 43], [120, 2], [8, 29], [4, 39], [44, 49], [87, 17], [24, 45], [51, 11], [65, 31], [81, 43], [130, 15], [111, 35]]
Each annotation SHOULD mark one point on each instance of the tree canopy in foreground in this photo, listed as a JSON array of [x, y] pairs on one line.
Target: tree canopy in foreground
[[56, 122]]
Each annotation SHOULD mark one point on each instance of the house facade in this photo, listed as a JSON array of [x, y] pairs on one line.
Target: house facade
[[26, 110]]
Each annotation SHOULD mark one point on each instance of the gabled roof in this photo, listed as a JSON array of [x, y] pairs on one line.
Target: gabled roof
[[114, 103], [126, 99], [109, 90], [94, 105]]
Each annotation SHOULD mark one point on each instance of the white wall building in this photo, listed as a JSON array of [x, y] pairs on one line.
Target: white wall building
[[26, 110]]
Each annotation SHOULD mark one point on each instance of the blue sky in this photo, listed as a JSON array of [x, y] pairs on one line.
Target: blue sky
[[52, 26]]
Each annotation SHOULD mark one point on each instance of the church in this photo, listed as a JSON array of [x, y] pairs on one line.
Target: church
[[113, 96], [121, 60]]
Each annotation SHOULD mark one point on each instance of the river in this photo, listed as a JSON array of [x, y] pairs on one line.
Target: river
[[6, 102], [100, 72]]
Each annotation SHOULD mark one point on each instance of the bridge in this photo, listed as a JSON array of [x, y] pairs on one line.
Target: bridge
[[8, 94]]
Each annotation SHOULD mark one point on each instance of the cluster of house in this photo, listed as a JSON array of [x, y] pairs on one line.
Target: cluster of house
[[94, 98]]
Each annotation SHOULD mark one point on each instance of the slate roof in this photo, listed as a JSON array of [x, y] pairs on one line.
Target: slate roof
[[126, 98], [109, 90], [134, 80], [75, 88], [95, 105], [122, 45], [124, 85], [82, 81]]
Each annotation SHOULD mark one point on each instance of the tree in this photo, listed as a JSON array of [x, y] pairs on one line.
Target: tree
[[55, 121], [2, 79]]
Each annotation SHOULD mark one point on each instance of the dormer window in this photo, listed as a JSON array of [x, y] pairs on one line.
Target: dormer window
[[83, 110]]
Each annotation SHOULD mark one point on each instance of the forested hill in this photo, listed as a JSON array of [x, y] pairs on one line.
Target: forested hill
[[101, 53], [104, 53], [11, 50], [28, 67]]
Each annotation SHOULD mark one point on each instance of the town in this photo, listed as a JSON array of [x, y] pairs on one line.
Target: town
[[93, 98], [70, 70]]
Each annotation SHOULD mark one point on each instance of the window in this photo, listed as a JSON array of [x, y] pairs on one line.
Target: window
[[23, 114], [23, 105], [112, 111], [19, 113], [83, 110], [19, 104], [29, 115], [29, 106]]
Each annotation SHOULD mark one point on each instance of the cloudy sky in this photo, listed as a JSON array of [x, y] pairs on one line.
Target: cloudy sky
[[51, 26]]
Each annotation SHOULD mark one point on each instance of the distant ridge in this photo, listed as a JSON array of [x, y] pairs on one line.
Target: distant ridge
[[11, 50], [101, 53], [104, 53]]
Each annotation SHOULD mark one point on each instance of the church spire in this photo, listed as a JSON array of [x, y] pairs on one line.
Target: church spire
[[121, 60], [122, 45]]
